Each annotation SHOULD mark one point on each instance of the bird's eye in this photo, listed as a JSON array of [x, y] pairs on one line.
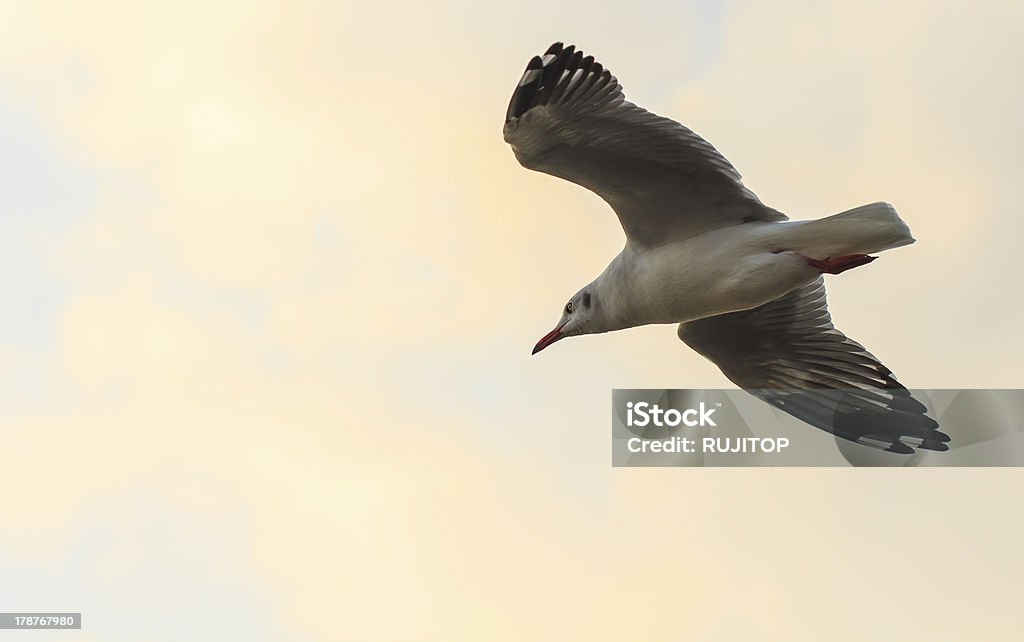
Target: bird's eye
[[568, 307]]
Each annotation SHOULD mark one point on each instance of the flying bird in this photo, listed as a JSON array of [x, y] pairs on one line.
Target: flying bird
[[743, 282]]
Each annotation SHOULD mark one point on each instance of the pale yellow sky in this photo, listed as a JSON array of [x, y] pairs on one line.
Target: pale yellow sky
[[275, 279]]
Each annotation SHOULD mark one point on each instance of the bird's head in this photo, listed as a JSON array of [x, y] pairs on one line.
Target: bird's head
[[579, 316]]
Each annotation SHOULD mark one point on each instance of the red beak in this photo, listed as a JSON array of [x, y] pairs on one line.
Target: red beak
[[548, 339]]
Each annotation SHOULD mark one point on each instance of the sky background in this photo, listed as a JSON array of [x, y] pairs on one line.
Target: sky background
[[271, 279]]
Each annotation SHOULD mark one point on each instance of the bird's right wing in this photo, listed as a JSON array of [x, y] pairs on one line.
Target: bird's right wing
[[788, 353], [569, 118]]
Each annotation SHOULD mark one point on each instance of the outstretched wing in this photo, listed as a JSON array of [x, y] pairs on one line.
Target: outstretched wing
[[788, 353], [569, 118]]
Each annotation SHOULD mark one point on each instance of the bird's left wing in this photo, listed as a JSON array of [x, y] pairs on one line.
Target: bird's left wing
[[569, 118], [788, 353]]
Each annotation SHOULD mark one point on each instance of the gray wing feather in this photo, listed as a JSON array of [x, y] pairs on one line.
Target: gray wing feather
[[569, 118], [788, 353]]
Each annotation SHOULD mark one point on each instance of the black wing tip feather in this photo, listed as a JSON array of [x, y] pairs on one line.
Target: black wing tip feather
[[554, 49], [866, 416], [547, 78]]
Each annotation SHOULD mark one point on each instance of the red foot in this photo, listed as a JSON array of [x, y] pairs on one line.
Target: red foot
[[840, 263]]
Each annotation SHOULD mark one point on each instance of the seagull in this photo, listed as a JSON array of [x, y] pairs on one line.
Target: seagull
[[744, 283]]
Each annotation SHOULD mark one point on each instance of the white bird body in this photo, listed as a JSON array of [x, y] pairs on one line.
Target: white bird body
[[743, 282], [735, 268]]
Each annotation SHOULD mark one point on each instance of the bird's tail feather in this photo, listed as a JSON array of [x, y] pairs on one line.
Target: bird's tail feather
[[863, 230]]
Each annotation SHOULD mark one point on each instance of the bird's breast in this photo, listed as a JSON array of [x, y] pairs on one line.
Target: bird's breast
[[715, 273]]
